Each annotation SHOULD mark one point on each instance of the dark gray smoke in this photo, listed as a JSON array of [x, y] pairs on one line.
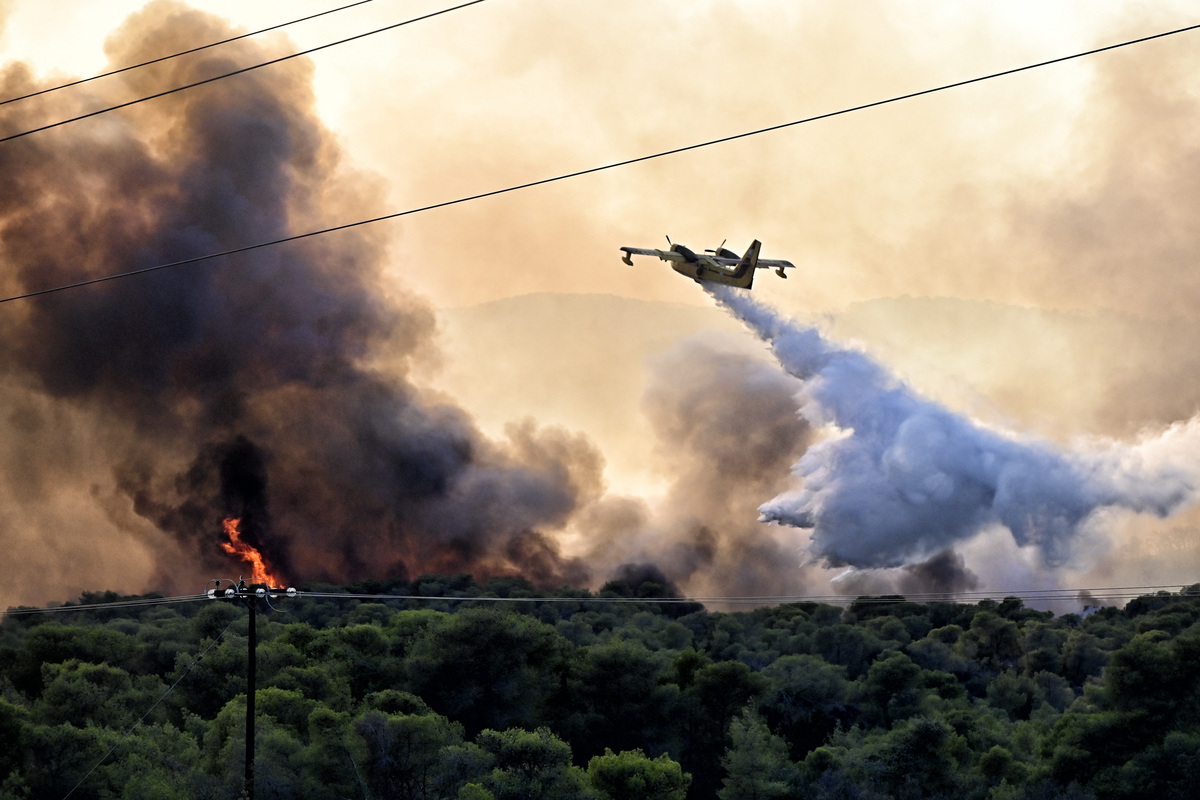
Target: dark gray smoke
[[904, 478], [245, 386], [945, 573]]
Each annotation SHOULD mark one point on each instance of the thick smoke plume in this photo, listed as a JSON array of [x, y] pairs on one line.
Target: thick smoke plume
[[251, 386], [726, 430], [902, 478]]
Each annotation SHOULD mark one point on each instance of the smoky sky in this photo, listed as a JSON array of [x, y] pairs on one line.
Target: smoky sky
[[276, 384], [250, 385]]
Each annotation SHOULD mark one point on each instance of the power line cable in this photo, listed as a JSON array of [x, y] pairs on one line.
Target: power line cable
[[181, 53], [580, 173], [1120, 592], [140, 602], [170, 689], [185, 87]]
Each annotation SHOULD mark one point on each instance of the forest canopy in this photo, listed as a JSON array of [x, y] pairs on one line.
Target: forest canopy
[[498, 690]]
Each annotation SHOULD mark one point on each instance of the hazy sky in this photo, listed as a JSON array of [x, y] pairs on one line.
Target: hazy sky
[[1022, 250]]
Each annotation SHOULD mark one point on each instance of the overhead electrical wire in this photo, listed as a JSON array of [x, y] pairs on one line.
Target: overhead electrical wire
[[241, 71], [1118, 592], [603, 168], [972, 596], [134, 603], [161, 59]]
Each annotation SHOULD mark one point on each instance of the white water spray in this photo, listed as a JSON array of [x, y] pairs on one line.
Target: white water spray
[[907, 478]]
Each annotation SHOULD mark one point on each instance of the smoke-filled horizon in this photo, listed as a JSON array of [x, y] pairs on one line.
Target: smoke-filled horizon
[[901, 478], [1021, 249]]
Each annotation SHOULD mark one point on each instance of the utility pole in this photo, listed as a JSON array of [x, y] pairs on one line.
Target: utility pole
[[251, 693], [250, 595]]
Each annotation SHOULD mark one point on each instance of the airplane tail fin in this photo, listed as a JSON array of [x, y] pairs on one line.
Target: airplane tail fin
[[744, 274], [750, 259]]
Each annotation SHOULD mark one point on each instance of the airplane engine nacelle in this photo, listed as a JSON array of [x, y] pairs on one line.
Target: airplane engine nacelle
[[687, 254], [780, 272]]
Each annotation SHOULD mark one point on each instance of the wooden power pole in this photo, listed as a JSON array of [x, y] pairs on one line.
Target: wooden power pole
[[251, 691], [250, 595]]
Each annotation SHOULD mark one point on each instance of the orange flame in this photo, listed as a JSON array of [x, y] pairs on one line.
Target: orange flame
[[247, 552]]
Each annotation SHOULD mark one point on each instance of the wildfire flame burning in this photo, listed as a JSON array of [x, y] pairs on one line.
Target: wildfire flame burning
[[248, 553]]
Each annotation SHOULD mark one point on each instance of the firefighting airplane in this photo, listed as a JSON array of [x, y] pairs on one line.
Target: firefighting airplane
[[718, 266]]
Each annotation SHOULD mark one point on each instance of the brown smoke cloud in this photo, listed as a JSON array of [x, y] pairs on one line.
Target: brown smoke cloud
[[273, 386], [247, 386]]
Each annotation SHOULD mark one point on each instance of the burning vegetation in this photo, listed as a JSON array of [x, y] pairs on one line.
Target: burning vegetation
[[249, 554]]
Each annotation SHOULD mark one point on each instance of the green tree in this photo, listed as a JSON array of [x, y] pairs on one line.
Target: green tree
[[1013, 693], [1153, 674], [852, 647], [620, 695], [404, 752], [488, 668], [59, 756], [81, 693], [53, 644], [805, 700], [917, 760], [893, 686], [1042, 645], [992, 640], [328, 765], [756, 763], [631, 775], [533, 764], [719, 693], [13, 719], [151, 762], [1082, 657]]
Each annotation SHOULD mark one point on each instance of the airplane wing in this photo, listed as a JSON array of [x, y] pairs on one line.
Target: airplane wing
[[665, 255], [777, 264], [771, 263]]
